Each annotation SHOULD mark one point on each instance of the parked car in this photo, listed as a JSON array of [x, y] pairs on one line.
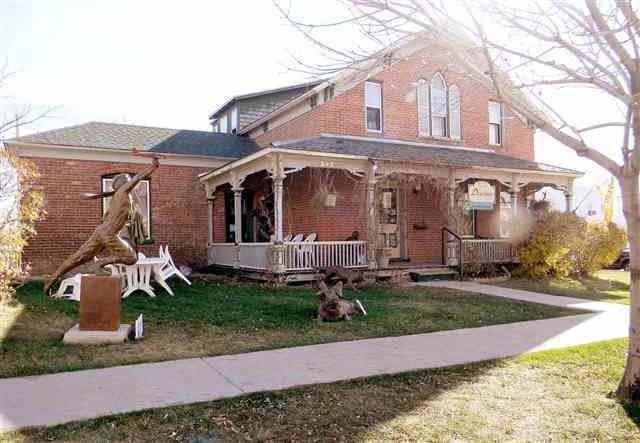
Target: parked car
[[622, 262]]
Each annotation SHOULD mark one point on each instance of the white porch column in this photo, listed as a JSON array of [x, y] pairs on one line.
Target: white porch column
[[371, 217], [278, 191], [568, 197], [210, 202], [237, 210]]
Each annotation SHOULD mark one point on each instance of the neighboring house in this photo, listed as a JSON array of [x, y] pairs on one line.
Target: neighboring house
[[415, 164]]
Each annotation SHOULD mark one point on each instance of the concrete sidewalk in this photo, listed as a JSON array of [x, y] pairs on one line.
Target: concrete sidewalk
[[48, 400]]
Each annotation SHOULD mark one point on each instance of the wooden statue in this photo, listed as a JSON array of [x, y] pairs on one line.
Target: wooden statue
[[333, 307], [106, 238]]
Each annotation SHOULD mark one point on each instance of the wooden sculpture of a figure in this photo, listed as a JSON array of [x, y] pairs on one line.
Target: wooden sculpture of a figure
[[106, 239]]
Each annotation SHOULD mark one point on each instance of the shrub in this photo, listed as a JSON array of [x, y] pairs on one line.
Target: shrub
[[600, 246], [564, 243], [550, 249]]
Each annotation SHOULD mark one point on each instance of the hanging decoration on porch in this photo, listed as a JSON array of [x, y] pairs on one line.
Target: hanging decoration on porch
[[333, 307], [322, 187]]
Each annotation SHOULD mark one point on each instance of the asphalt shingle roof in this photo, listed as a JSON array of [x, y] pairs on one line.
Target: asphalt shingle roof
[[437, 155], [145, 138]]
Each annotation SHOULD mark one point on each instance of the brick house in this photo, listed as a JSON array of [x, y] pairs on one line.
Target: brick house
[[411, 165]]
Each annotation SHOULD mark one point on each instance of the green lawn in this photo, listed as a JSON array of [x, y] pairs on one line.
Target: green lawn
[[606, 285], [556, 395], [213, 318]]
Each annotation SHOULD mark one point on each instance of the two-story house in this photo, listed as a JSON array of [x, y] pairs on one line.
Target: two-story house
[[406, 165]]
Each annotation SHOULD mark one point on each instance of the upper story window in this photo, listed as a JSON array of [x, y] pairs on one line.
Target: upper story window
[[223, 122], [495, 123], [234, 120], [313, 101], [141, 197], [438, 109], [373, 105], [328, 93]]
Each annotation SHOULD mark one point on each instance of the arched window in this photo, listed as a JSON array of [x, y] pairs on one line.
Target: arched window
[[438, 105], [455, 129], [438, 109]]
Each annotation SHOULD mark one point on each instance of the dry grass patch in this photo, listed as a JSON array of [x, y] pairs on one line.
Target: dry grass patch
[[548, 396]]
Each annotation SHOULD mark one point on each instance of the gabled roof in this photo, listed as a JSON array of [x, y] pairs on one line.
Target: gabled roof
[[232, 100], [145, 138], [432, 154]]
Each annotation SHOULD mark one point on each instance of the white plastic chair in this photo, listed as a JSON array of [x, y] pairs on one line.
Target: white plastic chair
[[288, 238], [169, 269], [73, 283], [297, 238], [305, 253]]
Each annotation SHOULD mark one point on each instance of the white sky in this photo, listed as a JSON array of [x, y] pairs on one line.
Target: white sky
[[170, 63]]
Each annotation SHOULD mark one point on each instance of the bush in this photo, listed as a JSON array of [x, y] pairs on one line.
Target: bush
[[564, 243]]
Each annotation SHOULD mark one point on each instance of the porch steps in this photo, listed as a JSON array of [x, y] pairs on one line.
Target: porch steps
[[434, 273]]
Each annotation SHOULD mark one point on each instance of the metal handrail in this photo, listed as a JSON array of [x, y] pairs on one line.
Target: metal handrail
[[458, 238]]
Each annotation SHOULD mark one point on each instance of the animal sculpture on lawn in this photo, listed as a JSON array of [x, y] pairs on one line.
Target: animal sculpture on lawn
[[108, 239], [333, 307]]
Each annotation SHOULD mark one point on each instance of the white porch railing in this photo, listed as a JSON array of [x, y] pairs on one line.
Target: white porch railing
[[305, 256], [295, 256], [488, 251], [222, 254]]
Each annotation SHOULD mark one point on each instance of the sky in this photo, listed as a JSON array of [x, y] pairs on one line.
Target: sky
[[171, 63]]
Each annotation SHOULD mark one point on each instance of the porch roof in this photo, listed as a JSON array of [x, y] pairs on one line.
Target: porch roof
[[432, 154]]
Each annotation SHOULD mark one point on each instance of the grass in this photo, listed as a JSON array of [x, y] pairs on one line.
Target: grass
[[213, 318], [607, 285], [558, 395]]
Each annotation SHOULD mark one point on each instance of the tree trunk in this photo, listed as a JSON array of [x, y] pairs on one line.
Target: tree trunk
[[629, 387]]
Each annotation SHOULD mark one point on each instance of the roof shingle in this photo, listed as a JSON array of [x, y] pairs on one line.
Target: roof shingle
[[437, 155], [145, 138]]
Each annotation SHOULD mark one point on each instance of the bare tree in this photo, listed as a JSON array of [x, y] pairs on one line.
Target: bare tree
[[529, 54]]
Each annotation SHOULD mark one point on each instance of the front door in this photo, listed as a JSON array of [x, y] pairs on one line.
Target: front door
[[389, 221]]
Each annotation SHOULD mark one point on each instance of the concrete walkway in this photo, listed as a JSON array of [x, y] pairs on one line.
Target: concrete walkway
[[48, 400]]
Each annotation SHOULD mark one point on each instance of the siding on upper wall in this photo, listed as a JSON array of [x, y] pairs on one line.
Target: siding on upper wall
[[345, 113]]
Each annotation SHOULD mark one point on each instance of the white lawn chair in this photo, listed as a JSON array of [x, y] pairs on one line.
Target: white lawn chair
[[169, 269], [288, 238], [74, 284], [305, 253], [297, 238]]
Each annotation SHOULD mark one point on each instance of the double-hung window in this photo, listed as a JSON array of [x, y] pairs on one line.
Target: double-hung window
[[438, 109], [495, 123], [373, 105], [141, 196], [224, 124], [234, 120]]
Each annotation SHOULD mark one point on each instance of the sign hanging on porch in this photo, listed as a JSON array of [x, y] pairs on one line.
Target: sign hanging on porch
[[482, 195]]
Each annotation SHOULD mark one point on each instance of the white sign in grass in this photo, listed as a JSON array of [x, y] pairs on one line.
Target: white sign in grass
[[139, 333]]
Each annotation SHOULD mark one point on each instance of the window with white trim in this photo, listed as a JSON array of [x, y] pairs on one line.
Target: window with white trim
[[234, 120], [438, 102], [223, 124], [439, 109], [141, 196], [373, 105], [495, 123]]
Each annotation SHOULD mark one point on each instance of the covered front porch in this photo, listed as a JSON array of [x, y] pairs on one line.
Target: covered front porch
[[285, 211]]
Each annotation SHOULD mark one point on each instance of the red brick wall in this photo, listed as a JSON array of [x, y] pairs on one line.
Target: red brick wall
[[178, 211], [344, 114]]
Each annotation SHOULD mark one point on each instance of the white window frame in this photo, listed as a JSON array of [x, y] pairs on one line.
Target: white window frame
[[234, 120], [499, 124], [106, 184], [366, 106], [444, 116], [224, 124]]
